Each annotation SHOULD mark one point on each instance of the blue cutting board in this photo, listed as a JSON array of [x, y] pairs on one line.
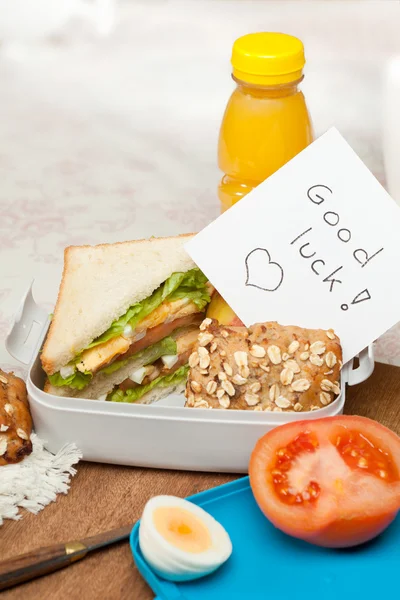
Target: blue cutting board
[[266, 563]]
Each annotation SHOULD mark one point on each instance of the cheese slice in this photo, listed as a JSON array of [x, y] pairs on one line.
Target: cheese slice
[[165, 312], [95, 358]]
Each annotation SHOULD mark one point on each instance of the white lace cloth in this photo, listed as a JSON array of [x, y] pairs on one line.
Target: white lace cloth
[[35, 482]]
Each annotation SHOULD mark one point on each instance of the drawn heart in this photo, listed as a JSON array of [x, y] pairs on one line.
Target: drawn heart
[[262, 272]]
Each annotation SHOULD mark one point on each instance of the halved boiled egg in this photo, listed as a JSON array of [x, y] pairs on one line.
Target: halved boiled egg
[[180, 540]]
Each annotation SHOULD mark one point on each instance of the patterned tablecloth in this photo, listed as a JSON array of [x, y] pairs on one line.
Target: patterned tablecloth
[[115, 139]]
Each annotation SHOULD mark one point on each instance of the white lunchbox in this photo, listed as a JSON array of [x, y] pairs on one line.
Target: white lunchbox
[[163, 435]]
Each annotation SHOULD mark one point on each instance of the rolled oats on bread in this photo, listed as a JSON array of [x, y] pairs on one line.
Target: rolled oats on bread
[[265, 367]]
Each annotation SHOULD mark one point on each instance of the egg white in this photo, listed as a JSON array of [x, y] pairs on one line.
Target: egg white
[[173, 563]]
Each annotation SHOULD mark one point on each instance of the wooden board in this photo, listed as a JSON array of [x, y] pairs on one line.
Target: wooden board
[[103, 497]]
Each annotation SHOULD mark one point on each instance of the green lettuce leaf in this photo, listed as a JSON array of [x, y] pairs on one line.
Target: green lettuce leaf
[[79, 381], [136, 393], [191, 284], [115, 366]]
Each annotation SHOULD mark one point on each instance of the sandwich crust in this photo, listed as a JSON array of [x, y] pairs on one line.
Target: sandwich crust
[[99, 284]]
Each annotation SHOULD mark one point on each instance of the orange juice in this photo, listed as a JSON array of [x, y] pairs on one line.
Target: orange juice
[[266, 121]]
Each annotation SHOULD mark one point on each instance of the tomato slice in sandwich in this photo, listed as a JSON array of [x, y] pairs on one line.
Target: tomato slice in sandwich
[[333, 482]]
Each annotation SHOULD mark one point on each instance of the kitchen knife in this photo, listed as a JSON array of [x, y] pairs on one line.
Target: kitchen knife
[[42, 561]]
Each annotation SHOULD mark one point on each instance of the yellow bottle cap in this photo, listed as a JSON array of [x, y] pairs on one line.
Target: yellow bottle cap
[[268, 58]]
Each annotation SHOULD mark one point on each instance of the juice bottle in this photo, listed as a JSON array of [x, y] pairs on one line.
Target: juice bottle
[[266, 123]]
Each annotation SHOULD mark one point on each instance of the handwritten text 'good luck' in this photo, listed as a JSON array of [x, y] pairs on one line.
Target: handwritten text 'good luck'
[[318, 194]]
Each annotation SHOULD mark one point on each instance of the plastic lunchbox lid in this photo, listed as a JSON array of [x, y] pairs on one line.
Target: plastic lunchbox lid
[[266, 563]]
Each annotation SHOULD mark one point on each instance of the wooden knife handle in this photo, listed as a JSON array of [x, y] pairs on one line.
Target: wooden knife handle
[[39, 562]]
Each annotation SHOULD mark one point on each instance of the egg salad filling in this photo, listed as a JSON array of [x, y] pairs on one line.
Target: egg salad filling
[[146, 326]]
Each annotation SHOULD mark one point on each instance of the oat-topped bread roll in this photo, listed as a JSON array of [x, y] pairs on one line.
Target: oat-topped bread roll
[[265, 367], [15, 420]]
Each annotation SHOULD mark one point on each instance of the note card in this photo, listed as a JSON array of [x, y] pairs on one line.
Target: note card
[[317, 245]]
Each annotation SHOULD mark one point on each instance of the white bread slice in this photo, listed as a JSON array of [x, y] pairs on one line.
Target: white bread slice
[[159, 393], [99, 284]]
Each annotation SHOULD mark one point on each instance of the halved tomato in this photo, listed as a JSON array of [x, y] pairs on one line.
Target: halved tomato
[[333, 482]]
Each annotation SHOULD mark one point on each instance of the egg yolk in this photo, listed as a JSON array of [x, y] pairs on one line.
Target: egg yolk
[[182, 529]]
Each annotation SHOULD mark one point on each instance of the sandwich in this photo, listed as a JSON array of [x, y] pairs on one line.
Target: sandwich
[[266, 367], [125, 321]]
